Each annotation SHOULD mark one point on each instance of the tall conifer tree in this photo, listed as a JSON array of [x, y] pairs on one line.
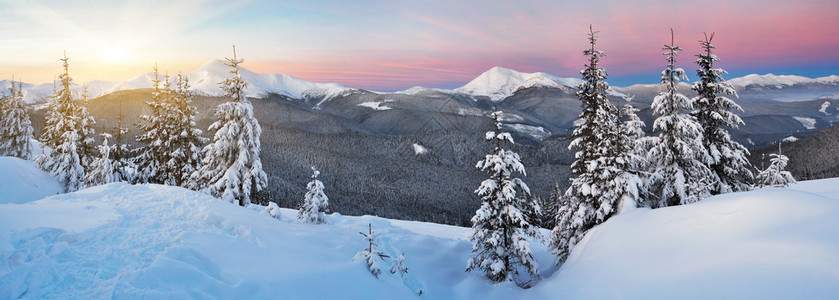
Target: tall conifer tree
[[679, 163], [231, 168], [63, 134], [15, 127], [605, 164], [500, 228], [153, 154], [716, 113], [184, 140]]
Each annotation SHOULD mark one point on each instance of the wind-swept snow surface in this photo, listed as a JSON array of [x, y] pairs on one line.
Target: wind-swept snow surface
[[21, 181], [153, 241]]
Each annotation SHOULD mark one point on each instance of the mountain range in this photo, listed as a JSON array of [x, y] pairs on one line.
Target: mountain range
[[497, 84], [410, 154]]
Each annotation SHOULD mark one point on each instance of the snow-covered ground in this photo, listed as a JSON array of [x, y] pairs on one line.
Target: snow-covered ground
[[154, 241], [807, 122], [21, 181]]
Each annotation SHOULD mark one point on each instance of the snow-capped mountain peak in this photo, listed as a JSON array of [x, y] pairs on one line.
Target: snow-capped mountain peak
[[499, 83], [205, 80], [770, 80]]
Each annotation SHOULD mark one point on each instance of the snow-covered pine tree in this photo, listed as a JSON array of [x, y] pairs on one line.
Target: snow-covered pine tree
[[184, 139], [639, 144], [102, 169], [15, 127], [499, 228], [87, 133], [373, 258], [775, 175], [124, 167], [605, 162], [679, 172], [315, 202], [633, 128], [716, 113], [153, 154], [398, 266], [62, 133], [231, 168]]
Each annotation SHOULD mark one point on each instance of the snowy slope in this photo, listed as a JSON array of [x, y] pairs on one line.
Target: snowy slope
[[21, 181], [499, 83], [152, 241]]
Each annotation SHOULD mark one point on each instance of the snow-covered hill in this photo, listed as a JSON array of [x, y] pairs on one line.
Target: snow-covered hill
[[152, 241], [499, 83]]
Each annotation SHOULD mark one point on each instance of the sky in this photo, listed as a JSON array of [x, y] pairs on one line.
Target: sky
[[393, 45]]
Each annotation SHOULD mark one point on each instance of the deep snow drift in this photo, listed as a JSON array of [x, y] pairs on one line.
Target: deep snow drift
[[120, 240], [21, 181]]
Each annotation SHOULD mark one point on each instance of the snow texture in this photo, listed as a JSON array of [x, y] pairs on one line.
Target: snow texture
[[21, 181], [152, 241]]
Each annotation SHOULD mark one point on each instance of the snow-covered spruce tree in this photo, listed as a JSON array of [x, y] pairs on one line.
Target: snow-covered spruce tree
[[231, 168], [102, 169], [62, 133], [373, 258], [639, 144], [499, 228], [605, 164], [398, 266], [15, 127], [87, 133], [679, 172], [153, 154], [633, 128], [184, 139], [315, 202], [716, 113], [124, 167], [775, 175]]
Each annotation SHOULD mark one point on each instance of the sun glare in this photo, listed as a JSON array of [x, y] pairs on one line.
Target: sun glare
[[114, 54]]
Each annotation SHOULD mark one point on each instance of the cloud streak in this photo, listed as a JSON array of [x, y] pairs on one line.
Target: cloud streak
[[387, 45]]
